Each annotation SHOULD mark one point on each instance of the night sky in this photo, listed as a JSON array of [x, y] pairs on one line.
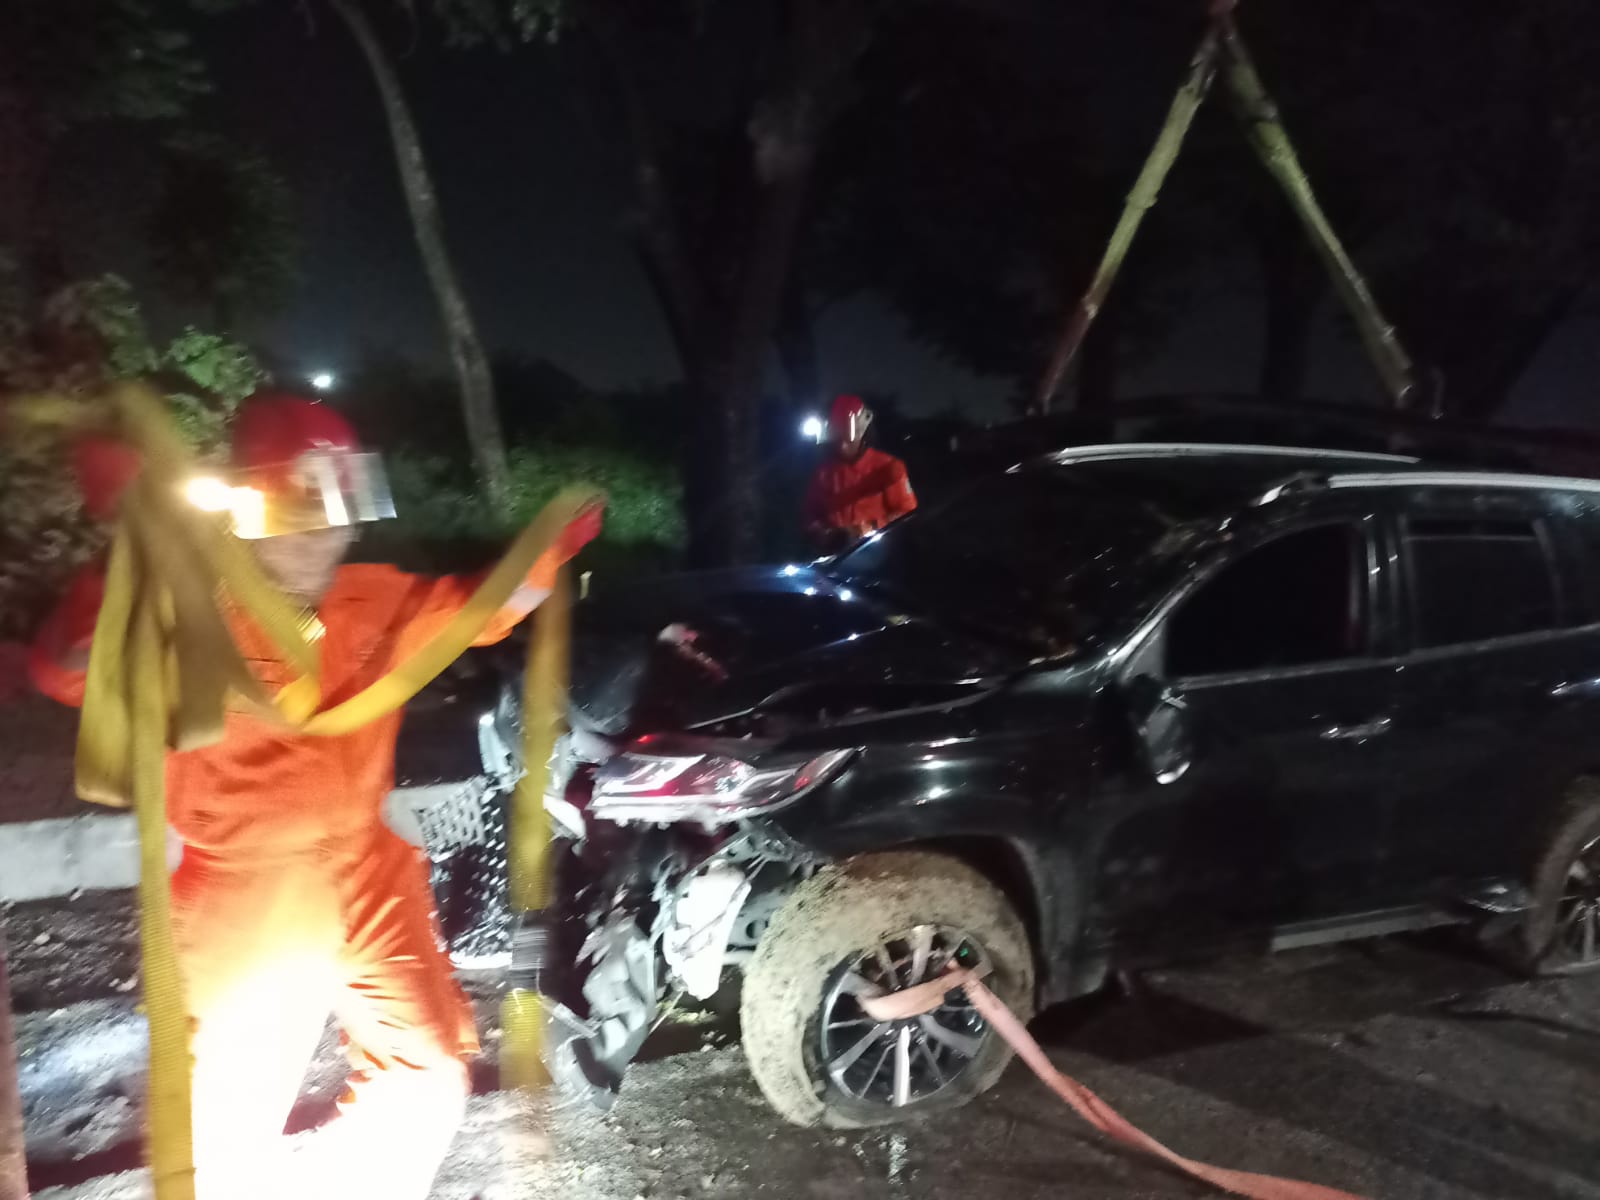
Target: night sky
[[533, 186]]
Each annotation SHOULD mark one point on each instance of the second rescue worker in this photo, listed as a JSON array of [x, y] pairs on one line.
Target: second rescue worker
[[857, 489]]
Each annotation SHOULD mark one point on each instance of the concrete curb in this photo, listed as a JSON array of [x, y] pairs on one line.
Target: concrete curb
[[43, 859], [40, 860]]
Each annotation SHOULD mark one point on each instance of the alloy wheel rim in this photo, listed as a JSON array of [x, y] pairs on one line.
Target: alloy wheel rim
[[1578, 913], [898, 1063]]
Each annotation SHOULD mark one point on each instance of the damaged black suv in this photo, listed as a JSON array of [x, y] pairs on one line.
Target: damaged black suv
[[1121, 705]]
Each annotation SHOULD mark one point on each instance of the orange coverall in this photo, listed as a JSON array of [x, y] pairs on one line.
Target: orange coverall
[[294, 898], [859, 495]]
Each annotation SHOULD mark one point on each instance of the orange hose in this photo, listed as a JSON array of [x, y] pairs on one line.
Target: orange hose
[[923, 998]]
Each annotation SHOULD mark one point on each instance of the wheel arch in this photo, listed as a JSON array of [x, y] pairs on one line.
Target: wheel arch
[[1035, 885], [1574, 788], [1531, 946]]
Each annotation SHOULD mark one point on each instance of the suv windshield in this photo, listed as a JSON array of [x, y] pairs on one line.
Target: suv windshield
[[1045, 555]]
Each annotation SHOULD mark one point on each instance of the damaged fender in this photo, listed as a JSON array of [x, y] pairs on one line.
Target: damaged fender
[[704, 911]]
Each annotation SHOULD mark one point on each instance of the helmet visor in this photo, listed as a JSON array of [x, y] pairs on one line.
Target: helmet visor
[[851, 426], [318, 490]]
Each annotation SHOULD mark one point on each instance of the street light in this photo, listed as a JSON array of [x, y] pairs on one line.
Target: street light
[[812, 428], [323, 380]]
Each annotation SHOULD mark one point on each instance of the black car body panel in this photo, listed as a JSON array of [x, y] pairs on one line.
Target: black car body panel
[[696, 650]]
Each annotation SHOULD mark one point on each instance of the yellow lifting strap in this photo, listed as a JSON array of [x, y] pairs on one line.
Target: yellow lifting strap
[[1223, 48], [163, 666]]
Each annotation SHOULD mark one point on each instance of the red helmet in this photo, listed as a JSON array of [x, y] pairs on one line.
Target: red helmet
[[273, 429], [297, 465], [849, 418]]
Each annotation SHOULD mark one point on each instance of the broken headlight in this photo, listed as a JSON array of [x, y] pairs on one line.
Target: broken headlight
[[675, 783]]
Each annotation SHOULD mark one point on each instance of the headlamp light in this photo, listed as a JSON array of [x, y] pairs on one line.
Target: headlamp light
[[317, 491], [681, 783]]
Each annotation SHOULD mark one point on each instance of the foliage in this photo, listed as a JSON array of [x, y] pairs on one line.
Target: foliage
[[1502, 202], [1456, 148], [401, 405], [90, 333], [562, 432], [444, 523], [98, 326], [501, 21], [223, 372], [222, 231], [983, 167], [961, 194], [80, 61], [722, 173], [93, 331], [67, 66], [44, 538]]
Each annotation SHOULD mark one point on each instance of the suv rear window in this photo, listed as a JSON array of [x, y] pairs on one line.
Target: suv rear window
[[1476, 579]]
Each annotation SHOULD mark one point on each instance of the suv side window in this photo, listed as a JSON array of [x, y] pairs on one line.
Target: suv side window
[[1298, 600], [1477, 578]]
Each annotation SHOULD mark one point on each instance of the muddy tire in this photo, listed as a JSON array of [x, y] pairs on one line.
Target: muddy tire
[[1560, 934], [580, 1085], [830, 922]]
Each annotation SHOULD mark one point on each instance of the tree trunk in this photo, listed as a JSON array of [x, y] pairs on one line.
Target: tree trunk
[[723, 302], [13, 1160], [1265, 132], [783, 163], [723, 345], [1140, 200], [725, 528], [416, 179]]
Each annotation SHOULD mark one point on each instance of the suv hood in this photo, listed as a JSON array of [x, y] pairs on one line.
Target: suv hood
[[768, 649]]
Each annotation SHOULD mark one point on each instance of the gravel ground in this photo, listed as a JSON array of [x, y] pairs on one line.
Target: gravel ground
[[1402, 1068], [62, 951]]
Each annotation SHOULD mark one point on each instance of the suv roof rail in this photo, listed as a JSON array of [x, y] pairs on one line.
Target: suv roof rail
[[1300, 481], [1114, 450], [1434, 478]]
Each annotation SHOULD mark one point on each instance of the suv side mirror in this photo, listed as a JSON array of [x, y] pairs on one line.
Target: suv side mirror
[[1160, 717]]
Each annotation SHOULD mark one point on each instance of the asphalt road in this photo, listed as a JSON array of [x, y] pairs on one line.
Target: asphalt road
[[1403, 1068]]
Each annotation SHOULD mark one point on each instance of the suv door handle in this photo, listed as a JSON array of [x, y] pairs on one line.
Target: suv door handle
[[1363, 732]]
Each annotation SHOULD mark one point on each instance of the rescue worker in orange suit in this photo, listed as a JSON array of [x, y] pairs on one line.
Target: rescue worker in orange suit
[[857, 489], [293, 898]]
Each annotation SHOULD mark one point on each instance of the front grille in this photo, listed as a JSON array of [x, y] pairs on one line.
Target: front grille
[[451, 819]]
